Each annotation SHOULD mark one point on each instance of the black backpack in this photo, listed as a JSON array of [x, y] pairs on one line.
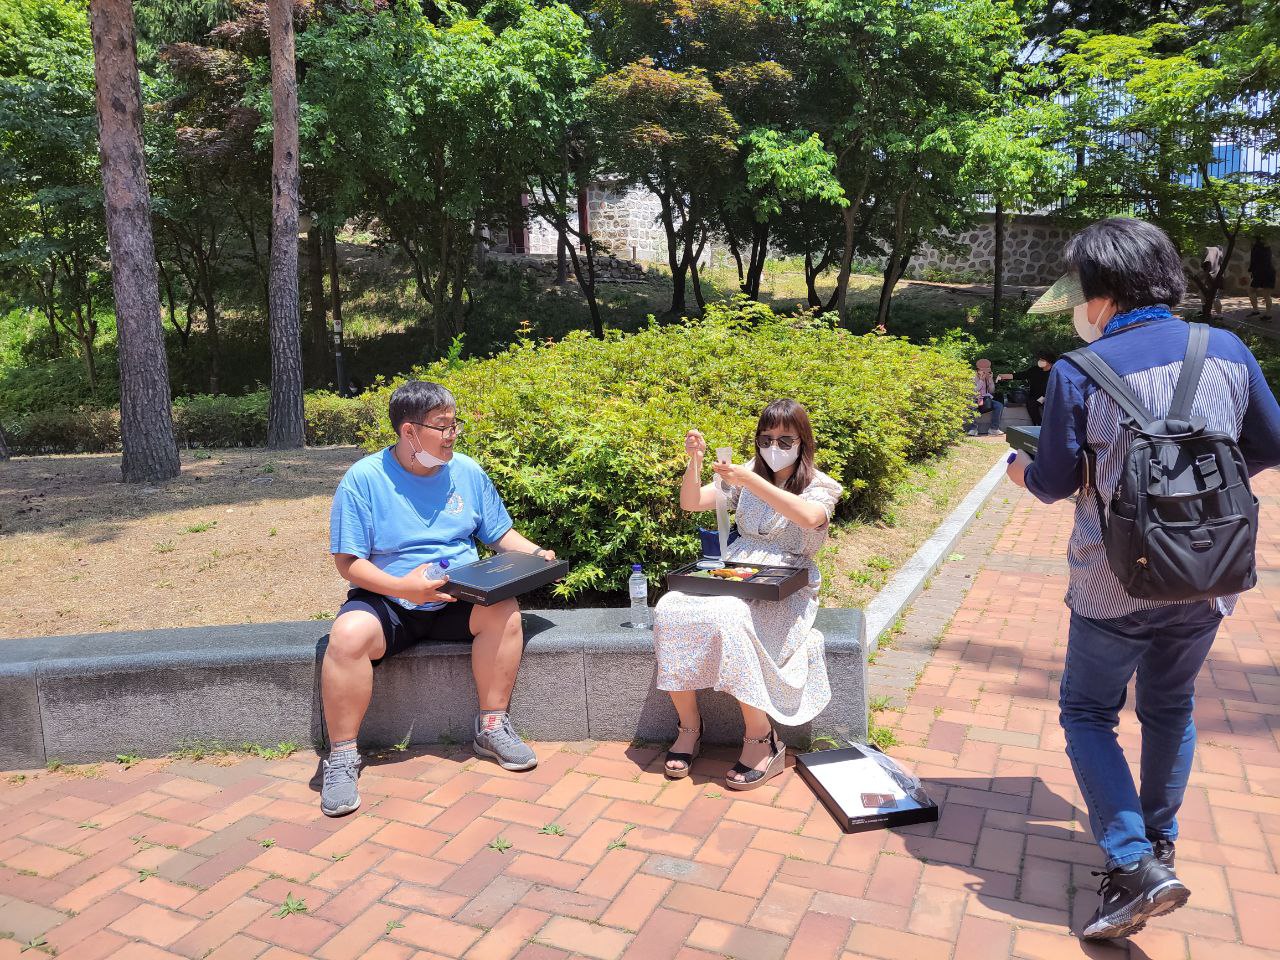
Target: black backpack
[[1183, 521]]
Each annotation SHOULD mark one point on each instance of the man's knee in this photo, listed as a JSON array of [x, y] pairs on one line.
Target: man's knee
[[502, 617], [355, 635]]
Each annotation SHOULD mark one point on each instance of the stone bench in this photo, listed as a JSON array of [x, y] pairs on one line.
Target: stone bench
[[584, 676]]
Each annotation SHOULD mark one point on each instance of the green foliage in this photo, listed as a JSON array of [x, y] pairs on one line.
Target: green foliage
[[52, 235], [199, 421], [584, 438], [1154, 107]]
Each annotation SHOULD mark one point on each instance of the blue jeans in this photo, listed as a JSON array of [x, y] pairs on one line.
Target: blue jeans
[[1166, 646], [997, 411]]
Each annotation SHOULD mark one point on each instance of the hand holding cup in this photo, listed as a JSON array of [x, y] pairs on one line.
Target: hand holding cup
[[695, 445]]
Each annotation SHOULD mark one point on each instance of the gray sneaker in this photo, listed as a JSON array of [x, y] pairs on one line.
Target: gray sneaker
[[338, 795], [504, 745]]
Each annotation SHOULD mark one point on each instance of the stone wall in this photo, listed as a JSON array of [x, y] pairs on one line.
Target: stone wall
[[626, 222], [1032, 253]]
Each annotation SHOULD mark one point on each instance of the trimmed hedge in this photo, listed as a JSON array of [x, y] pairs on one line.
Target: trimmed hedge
[[585, 438], [200, 421]]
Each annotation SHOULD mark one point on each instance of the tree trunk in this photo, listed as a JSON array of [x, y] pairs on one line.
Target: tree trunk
[[759, 255], [146, 416], [335, 299], [849, 215], [285, 421], [562, 235], [211, 327], [4, 446], [998, 267], [317, 315]]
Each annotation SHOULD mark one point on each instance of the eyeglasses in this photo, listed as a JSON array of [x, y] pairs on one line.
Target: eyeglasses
[[452, 430], [764, 441]]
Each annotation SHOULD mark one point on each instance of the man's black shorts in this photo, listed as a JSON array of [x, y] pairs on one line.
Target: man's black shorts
[[402, 627]]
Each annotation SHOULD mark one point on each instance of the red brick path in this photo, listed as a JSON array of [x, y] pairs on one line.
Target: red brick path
[[195, 859]]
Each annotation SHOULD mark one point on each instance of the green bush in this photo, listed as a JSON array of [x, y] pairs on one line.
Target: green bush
[[585, 438], [64, 430], [332, 419], [200, 421], [220, 421]]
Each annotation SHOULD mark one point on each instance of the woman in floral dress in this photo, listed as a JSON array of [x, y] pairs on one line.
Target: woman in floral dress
[[764, 653]]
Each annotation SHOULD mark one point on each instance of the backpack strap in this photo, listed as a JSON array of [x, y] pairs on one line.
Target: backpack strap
[[1184, 393], [1112, 384]]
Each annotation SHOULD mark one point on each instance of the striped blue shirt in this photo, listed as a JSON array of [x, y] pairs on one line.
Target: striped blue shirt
[[1232, 397]]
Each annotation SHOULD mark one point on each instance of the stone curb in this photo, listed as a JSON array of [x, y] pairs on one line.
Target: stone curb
[[907, 584], [583, 676]]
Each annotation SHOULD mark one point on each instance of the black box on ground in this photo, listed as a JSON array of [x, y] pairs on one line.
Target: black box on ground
[[1025, 439], [766, 583], [501, 576], [865, 790]]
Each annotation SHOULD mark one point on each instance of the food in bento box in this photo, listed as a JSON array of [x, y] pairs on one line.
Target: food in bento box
[[735, 573]]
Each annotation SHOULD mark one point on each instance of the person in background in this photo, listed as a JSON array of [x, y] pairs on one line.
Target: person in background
[[1036, 377], [984, 399], [1262, 276], [765, 653], [1210, 264], [1126, 276], [396, 514]]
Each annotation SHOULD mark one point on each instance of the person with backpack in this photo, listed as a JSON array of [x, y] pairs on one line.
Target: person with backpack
[[1157, 425]]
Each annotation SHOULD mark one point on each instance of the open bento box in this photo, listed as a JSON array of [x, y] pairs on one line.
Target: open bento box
[[751, 582]]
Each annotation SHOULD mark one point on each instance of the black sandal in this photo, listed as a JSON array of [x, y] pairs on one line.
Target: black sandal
[[751, 777], [679, 773]]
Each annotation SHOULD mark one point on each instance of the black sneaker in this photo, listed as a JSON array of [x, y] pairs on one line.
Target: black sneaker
[[1163, 850], [1131, 896]]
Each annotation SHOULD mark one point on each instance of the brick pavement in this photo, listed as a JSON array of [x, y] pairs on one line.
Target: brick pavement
[[595, 855]]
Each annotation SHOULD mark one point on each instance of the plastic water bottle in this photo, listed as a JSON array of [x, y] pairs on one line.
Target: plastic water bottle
[[638, 586], [437, 570]]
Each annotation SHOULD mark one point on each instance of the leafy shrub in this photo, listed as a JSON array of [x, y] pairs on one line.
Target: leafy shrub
[[200, 421], [58, 384], [585, 438], [331, 419], [220, 421], [64, 430]]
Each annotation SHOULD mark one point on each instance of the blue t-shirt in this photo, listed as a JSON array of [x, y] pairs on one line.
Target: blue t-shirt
[[384, 514]]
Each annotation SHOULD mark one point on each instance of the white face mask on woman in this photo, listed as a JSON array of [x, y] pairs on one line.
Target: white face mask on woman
[[779, 459], [1087, 330]]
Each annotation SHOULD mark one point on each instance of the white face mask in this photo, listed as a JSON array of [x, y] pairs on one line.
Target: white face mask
[[430, 461], [1085, 330], [779, 459]]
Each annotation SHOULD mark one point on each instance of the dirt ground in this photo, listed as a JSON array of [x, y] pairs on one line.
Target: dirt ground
[[242, 537], [863, 556]]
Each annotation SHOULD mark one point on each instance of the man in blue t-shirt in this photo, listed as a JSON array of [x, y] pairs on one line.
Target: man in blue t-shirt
[[395, 514]]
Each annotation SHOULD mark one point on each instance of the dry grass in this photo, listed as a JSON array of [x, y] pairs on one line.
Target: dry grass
[[242, 537], [863, 556]]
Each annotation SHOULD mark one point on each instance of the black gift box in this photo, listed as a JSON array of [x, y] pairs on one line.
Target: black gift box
[[865, 790], [1025, 439], [503, 575], [770, 583]]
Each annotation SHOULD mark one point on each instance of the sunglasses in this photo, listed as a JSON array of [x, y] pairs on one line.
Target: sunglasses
[[452, 430], [764, 441]]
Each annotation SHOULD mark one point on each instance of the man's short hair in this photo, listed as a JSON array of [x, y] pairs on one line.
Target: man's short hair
[[1130, 262], [413, 400]]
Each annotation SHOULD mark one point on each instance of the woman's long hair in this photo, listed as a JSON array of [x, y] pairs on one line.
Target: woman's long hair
[[793, 417]]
